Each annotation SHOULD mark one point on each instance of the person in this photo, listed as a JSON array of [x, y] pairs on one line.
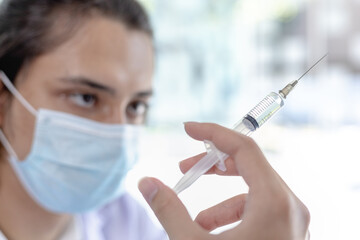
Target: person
[[76, 78]]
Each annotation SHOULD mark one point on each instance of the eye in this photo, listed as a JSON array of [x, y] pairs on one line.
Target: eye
[[137, 109], [83, 100]]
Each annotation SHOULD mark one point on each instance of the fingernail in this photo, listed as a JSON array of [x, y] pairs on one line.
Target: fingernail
[[148, 189], [190, 122]]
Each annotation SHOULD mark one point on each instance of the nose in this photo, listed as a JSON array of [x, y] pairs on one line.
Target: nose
[[120, 116], [116, 115]]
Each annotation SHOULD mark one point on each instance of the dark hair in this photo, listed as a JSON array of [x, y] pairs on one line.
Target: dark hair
[[28, 28]]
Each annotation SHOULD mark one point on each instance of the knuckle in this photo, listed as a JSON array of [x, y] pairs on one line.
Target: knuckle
[[283, 205], [249, 142], [203, 220], [201, 217], [289, 207], [161, 205], [246, 143]]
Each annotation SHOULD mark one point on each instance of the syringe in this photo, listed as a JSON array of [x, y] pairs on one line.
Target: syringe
[[247, 125]]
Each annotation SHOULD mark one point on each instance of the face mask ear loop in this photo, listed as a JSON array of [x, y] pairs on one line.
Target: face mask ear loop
[[7, 145], [16, 93]]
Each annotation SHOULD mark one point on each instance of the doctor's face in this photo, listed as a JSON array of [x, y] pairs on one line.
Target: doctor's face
[[103, 72]]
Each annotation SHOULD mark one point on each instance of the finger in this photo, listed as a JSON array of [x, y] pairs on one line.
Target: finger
[[167, 207], [248, 158], [231, 169], [225, 213], [213, 133]]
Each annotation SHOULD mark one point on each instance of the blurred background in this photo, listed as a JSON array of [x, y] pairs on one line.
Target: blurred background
[[216, 59]]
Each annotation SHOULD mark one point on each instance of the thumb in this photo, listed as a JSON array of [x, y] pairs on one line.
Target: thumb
[[167, 207]]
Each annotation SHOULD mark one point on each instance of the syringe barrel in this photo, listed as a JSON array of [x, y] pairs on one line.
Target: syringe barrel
[[253, 120], [245, 126], [262, 112]]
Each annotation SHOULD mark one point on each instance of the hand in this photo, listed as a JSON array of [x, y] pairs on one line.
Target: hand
[[270, 210]]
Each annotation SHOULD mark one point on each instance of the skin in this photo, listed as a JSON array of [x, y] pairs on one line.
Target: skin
[[104, 73], [270, 210]]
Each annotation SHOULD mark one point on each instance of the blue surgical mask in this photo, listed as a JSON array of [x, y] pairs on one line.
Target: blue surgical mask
[[75, 164]]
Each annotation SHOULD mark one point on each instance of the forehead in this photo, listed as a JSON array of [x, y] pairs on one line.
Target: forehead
[[102, 49]]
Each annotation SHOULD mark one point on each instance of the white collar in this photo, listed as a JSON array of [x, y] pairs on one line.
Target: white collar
[[2, 237], [73, 231]]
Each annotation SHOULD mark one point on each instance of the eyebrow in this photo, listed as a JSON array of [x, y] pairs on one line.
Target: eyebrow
[[89, 83], [144, 94], [96, 85]]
